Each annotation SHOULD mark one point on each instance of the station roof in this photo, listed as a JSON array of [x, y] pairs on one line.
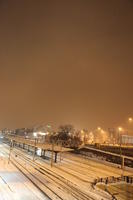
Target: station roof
[[35, 143]]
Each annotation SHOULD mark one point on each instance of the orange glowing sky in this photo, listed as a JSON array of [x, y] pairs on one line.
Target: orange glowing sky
[[66, 62]]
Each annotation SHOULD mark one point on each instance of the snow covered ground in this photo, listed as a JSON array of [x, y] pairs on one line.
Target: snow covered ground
[[69, 179], [14, 185]]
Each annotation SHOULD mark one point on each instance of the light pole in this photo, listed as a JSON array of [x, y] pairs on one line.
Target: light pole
[[130, 119], [99, 128], [11, 146], [130, 122], [52, 153], [34, 153], [119, 135], [120, 129]]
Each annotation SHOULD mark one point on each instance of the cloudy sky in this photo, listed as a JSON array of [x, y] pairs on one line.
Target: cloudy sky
[[66, 61]]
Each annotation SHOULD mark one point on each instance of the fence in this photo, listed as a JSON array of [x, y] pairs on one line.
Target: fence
[[112, 179]]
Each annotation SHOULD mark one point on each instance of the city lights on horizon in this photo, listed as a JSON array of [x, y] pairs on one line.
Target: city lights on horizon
[[35, 134]]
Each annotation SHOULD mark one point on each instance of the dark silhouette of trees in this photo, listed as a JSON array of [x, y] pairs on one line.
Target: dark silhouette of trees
[[65, 132], [66, 136]]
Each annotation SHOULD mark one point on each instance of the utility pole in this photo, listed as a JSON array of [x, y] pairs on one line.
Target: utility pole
[[11, 147], [119, 139], [34, 153], [61, 152], [120, 146], [52, 153], [121, 157]]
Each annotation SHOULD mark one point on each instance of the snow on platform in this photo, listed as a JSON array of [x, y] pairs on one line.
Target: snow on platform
[[14, 185]]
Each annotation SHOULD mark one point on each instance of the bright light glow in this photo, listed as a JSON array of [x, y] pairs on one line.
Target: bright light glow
[[120, 128], [42, 133], [99, 128], [35, 134], [82, 131], [130, 119], [38, 152], [102, 131]]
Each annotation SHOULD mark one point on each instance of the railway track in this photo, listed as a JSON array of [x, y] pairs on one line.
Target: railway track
[[86, 163], [36, 181], [48, 175], [62, 183], [92, 169]]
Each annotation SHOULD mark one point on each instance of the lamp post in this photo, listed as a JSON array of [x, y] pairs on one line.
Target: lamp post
[[130, 119], [11, 147], [34, 153], [119, 135], [99, 128], [120, 129]]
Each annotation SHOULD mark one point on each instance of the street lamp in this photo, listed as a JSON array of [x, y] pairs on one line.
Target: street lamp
[[130, 119], [120, 129], [99, 128], [34, 153], [11, 147]]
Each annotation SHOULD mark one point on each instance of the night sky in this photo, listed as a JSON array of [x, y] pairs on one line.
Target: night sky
[[66, 61]]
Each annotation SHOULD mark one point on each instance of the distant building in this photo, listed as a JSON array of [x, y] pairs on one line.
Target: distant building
[[127, 139], [113, 136]]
